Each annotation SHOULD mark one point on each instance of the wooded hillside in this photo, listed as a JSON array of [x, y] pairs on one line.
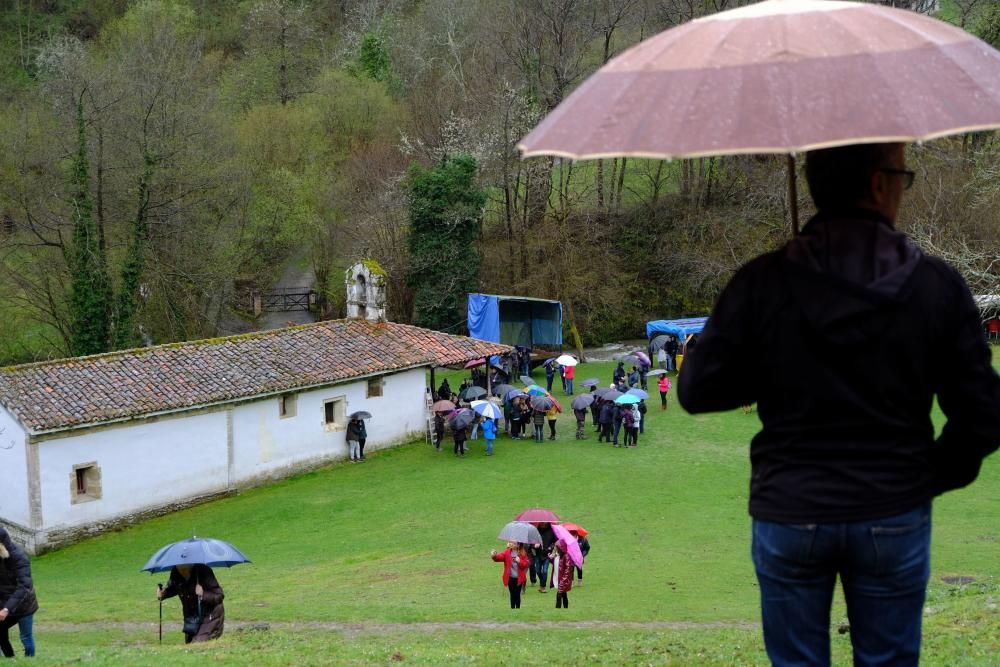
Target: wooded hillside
[[158, 154]]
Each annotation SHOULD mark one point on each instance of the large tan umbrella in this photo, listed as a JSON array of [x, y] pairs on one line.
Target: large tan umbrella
[[782, 76]]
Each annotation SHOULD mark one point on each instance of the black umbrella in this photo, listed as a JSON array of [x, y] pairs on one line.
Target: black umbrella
[[590, 382], [611, 394], [472, 393], [361, 414], [527, 379], [502, 389], [549, 362], [461, 418], [630, 359], [193, 551], [542, 403], [582, 402]]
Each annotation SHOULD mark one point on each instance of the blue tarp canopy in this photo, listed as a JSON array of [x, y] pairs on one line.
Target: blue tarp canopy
[[515, 320], [680, 328]]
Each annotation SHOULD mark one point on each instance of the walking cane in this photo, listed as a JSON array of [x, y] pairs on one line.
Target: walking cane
[[160, 586]]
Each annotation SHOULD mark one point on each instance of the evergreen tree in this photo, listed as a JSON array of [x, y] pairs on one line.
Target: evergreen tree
[[446, 210], [90, 289]]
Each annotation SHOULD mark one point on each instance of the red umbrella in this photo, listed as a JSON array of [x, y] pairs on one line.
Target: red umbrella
[[782, 76], [537, 515], [574, 528], [475, 362]]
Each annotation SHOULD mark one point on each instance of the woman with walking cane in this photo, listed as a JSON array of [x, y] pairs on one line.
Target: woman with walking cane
[[201, 600]]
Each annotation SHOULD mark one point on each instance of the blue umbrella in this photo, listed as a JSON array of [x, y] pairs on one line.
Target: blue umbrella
[[549, 362], [535, 390], [627, 399], [195, 551], [590, 382], [635, 391], [514, 393]]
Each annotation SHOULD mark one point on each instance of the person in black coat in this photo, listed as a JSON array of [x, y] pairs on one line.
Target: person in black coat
[[201, 601], [604, 419], [17, 595]]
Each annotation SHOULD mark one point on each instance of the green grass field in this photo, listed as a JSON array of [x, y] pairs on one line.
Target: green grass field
[[389, 561]]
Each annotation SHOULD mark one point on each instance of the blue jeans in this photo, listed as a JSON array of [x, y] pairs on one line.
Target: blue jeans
[[569, 386], [489, 445], [883, 565], [24, 624], [541, 567]]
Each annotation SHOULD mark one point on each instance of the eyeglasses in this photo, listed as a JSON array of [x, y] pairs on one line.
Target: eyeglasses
[[907, 175]]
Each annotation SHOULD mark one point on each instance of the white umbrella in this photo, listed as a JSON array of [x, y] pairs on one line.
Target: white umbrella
[[486, 409], [566, 360]]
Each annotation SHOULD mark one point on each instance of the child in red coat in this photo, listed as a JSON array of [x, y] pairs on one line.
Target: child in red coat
[[564, 575], [515, 570]]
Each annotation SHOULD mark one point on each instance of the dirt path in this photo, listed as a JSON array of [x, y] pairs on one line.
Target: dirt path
[[375, 628]]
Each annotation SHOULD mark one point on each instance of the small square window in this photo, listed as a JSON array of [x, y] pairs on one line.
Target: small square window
[[375, 387], [334, 413], [85, 483], [286, 406]]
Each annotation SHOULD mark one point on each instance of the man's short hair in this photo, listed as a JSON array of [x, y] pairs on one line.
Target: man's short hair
[[840, 176]]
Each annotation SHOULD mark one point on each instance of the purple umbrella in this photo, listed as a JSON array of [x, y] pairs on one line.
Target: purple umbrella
[[643, 357]]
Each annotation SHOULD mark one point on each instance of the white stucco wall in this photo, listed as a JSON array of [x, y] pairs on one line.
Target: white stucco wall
[[14, 504], [142, 464], [265, 443]]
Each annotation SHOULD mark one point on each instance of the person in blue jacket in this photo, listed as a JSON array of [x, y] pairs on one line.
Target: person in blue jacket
[[489, 430]]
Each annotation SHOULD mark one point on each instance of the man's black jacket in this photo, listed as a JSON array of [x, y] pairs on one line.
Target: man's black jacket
[[843, 337]]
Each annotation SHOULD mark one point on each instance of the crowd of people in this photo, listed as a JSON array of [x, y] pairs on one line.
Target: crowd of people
[[533, 412]]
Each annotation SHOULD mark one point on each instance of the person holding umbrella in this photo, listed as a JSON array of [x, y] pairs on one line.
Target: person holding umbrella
[[515, 570], [201, 601], [361, 416], [354, 427], [538, 420], [550, 373]]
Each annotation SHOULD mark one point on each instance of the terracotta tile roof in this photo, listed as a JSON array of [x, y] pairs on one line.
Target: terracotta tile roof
[[121, 385]]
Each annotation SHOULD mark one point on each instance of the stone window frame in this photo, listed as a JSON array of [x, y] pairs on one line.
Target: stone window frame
[[377, 382], [288, 406], [88, 476], [338, 411]]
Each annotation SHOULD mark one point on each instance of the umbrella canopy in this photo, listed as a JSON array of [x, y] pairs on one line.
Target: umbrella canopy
[[659, 342], [475, 362], [569, 543], [461, 418], [502, 389], [195, 551], [590, 382], [582, 402], [538, 515], [520, 531], [360, 414], [527, 379], [543, 403], [486, 409], [630, 358], [655, 372], [442, 406], [627, 399], [566, 360], [635, 391], [549, 362], [611, 395], [472, 393], [782, 76], [535, 390], [512, 394], [643, 357], [574, 528]]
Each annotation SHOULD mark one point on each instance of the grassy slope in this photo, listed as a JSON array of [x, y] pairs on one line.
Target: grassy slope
[[406, 538]]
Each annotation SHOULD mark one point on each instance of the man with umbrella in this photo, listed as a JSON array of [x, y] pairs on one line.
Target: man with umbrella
[[856, 317]]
